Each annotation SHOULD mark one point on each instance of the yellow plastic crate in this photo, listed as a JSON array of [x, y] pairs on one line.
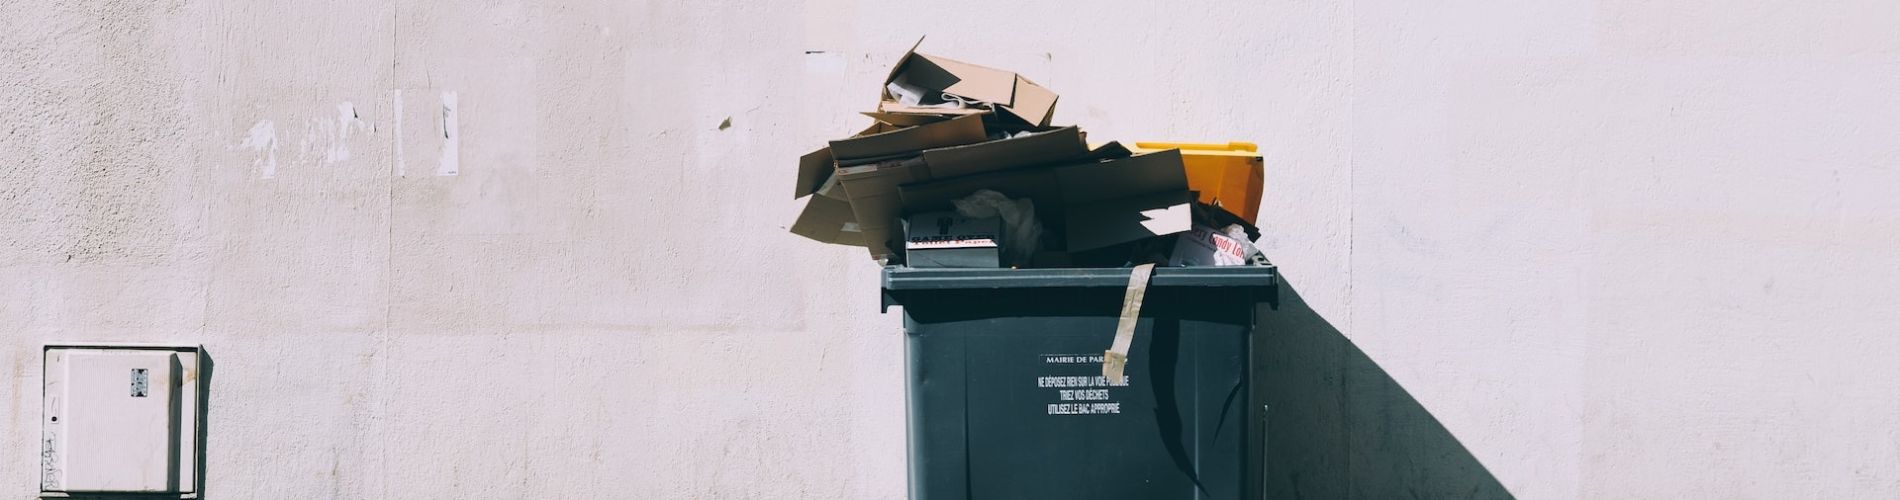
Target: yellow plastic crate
[[1229, 175]]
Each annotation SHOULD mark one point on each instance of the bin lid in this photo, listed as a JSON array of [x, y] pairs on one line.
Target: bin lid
[[913, 279]]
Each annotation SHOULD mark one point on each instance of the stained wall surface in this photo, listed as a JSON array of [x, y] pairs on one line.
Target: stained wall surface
[[502, 249]]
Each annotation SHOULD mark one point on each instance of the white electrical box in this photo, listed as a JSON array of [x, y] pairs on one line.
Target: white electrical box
[[120, 419]]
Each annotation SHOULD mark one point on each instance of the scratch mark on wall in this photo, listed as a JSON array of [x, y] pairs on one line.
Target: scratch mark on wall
[[451, 137], [402, 166], [263, 139]]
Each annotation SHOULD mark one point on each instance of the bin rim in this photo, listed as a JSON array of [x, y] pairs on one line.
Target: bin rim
[[903, 279]]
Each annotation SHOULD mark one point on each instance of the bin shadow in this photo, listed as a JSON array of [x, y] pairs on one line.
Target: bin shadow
[[1339, 427]]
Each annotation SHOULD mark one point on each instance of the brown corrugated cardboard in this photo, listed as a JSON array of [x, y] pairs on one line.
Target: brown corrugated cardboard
[[814, 170], [909, 140], [905, 119], [1009, 92], [1160, 171], [1036, 148], [1124, 200], [1099, 203], [828, 220], [872, 188]]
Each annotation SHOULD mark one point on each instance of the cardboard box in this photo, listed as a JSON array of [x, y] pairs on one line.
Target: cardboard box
[[947, 239], [873, 188], [816, 169], [1009, 93], [1097, 204], [833, 220]]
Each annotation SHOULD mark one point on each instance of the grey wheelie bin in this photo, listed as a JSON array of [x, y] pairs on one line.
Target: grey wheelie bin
[[1007, 398]]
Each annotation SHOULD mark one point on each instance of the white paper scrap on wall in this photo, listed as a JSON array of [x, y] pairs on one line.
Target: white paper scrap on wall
[[451, 138], [263, 139]]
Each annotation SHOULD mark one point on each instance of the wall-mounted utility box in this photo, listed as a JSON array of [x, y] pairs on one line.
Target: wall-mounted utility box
[[120, 418]]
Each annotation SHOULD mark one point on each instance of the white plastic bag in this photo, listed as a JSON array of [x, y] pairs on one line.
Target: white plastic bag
[[1022, 233]]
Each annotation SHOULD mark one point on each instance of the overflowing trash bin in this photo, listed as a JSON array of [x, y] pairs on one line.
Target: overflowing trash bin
[[1007, 398], [1079, 316]]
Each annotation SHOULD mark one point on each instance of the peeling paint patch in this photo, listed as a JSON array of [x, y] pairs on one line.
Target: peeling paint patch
[[263, 139], [451, 137], [347, 122]]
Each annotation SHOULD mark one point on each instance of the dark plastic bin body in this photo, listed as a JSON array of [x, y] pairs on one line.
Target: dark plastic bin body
[[991, 352]]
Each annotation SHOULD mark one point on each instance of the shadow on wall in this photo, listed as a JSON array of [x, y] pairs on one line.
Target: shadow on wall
[[1339, 427]]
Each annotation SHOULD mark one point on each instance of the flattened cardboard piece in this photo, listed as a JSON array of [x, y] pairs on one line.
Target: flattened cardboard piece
[[872, 191], [1160, 171], [951, 76], [898, 68], [908, 119], [1099, 203], [828, 220], [1033, 103], [1059, 145], [814, 169], [1112, 150], [894, 107], [1006, 90], [874, 188], [954, 132], [1037, 184], [1120, 220], [833, 189]]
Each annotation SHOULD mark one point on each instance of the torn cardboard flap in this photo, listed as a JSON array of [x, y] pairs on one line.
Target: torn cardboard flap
[[1121, 220], [828, 220], [872, 191], [814, 170], [1007, 91], [1033, 103]]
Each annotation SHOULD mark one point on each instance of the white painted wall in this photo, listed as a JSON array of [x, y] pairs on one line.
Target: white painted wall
[[1567, 249]]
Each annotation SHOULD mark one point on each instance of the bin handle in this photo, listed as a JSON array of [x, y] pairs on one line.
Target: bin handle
[[1115, 360]]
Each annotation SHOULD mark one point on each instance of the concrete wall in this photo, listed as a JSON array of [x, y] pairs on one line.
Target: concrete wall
[[1563, 249]]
